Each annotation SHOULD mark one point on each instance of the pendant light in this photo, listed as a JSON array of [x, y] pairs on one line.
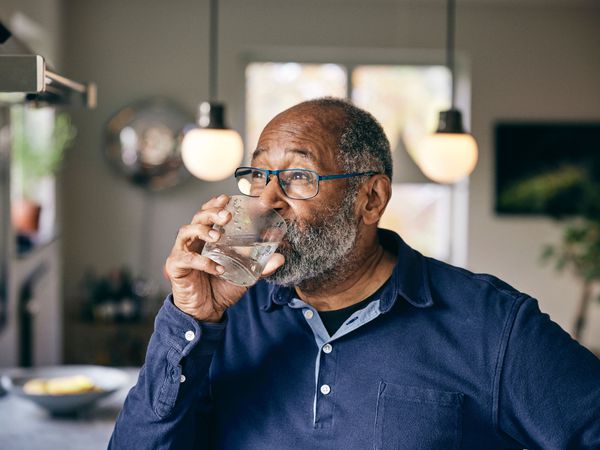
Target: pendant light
[[212, 151], [449, 154]]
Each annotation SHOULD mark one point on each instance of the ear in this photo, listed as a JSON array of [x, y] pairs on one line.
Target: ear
[[375, 195]]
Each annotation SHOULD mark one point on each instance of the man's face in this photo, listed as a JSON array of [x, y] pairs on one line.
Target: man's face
[[321, 230]]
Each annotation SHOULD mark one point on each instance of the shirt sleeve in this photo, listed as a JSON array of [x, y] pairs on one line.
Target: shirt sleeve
[[170, 405], [547, 390]]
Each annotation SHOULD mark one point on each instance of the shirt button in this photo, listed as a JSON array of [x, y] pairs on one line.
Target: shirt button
[[325, 389], [190, 335], [327, 348], [308, 314], [182, 378]]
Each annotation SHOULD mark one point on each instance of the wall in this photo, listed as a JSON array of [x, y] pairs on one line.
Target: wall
[[529, 60]]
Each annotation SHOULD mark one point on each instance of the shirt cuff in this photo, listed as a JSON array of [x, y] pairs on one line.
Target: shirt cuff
[[186, 334]]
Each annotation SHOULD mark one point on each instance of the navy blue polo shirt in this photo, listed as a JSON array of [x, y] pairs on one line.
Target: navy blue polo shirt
[[442, 359]]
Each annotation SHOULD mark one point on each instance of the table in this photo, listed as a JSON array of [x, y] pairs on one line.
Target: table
[[23, 425]]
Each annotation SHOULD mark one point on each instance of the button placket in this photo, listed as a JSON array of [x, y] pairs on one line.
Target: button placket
[[326, 358], [325, 366], [325, 386]]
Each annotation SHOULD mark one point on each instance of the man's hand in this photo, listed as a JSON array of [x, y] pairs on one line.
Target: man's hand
[[197, 288]]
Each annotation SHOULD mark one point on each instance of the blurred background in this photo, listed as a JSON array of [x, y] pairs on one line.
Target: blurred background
[[526, 81]]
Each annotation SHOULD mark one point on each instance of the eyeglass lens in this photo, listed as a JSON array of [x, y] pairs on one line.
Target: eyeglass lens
[[295, 183]]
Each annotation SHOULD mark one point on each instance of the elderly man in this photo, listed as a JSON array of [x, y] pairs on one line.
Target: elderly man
[[354, 340]]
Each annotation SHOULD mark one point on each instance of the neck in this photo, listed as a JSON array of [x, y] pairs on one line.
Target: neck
[[362, 272]]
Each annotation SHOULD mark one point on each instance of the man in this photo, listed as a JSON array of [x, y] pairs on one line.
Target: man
[[355, 340]]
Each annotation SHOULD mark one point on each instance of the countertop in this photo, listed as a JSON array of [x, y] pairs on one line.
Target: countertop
[[23, 425]]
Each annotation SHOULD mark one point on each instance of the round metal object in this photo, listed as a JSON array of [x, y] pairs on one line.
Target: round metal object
[[143, 143]]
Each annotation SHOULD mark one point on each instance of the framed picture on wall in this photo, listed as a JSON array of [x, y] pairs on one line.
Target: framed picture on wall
[[546, 168]]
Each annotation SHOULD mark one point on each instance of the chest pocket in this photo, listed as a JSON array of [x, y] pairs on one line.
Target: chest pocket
[[410, 418]]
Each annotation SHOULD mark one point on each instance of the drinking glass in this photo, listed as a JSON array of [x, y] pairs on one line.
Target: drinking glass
[[247, 241]]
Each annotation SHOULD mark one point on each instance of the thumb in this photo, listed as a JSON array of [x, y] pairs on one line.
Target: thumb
[[277, 260]]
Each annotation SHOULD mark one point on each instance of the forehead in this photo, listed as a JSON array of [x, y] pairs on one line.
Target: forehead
[[308, 138]]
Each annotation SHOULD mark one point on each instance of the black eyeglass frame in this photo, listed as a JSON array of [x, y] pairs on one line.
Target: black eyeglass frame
[[319, 178]]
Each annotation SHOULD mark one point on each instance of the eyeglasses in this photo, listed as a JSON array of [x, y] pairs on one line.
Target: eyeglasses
[[297, 184]]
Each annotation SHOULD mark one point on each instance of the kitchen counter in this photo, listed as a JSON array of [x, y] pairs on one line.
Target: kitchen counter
[[23, 425]]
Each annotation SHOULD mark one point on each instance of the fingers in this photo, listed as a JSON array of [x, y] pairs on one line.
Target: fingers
[[188, 234], [180, 264], [216, 202], [275, 262], [211, 216]]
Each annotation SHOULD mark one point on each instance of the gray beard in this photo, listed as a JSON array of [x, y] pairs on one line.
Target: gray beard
[[316, 251]]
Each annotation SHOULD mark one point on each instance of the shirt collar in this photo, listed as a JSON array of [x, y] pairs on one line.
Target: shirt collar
[[409, 280]]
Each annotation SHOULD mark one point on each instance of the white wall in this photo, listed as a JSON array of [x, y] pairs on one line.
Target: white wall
[[531, 60]]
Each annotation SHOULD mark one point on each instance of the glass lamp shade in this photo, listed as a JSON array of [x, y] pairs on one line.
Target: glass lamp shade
[[212, 154], [448, 157]]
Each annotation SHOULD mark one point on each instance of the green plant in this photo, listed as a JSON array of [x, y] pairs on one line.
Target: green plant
[[39, 142], [579, 252], [579, 248]]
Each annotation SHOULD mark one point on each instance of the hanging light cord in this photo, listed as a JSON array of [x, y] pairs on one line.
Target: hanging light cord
[[213, 48], [450, 19]]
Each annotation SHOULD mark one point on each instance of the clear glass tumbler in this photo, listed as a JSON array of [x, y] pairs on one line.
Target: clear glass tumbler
[[247, 241]]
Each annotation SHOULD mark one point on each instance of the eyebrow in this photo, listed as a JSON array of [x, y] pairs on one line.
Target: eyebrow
[[305, 153]]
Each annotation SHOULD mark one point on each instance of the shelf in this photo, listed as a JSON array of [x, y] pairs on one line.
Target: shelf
[[107, 343]]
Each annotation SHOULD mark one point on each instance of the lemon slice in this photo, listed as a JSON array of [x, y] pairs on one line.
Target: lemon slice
[[75, 384]]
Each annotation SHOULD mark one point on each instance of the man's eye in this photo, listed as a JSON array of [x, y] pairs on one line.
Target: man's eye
[[300, 176], [257, 175]]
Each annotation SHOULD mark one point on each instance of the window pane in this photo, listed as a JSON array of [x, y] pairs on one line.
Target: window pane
[[405, 99], [420, 213], [273, 87]]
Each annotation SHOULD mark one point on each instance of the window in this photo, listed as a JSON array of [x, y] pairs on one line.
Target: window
[[406, 99], [274, 87]]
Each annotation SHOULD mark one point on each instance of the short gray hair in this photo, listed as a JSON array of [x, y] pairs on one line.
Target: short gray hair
[[363, 144]]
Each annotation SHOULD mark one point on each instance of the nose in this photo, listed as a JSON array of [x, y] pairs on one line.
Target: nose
[[273, 196]]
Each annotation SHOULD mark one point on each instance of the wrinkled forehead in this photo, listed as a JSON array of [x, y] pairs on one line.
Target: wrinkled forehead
[[305, 137]]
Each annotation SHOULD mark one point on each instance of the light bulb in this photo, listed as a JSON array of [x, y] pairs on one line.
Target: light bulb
[[212, 154], [447, 157]]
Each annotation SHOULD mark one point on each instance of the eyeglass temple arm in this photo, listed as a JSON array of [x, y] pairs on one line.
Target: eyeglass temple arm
[[345, 175]]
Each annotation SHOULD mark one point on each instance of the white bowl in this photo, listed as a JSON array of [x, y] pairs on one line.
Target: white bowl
[[106, 379]]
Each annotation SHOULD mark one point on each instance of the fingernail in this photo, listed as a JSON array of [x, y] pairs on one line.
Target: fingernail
[[222, 197], [213, 234], [222, 214], [220, 269]]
